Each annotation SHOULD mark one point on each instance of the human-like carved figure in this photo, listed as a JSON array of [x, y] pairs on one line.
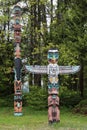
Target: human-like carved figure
[[53, 107], [18, 87], [18, 106]]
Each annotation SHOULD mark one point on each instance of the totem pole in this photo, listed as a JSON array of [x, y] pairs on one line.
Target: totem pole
[[53, 70], [17, 61], [53, 86]]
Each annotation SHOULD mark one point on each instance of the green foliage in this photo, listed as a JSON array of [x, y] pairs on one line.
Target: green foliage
[[81, 107], [6, 65], [6, 51], [37, 98], [69, 98], [7, 101]]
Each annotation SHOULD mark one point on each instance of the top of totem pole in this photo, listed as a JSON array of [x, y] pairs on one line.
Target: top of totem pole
[[52, 50], [53, 56], [17, 10]]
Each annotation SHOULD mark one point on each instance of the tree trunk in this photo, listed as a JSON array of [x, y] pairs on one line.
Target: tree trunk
[[81, 81], [51, 11]]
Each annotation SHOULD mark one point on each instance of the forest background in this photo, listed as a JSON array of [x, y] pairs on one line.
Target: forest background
[[46, 25]]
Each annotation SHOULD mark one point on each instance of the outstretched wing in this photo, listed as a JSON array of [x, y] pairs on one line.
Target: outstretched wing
[[68, 69], [36, 69], [43, 69]]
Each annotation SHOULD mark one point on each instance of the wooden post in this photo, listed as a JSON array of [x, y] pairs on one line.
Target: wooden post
[[53, 86], [17, 62]]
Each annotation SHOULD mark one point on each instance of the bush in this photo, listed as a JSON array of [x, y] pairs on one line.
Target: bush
[[7, 101], [81, 107], [69, 98], [37, 98]]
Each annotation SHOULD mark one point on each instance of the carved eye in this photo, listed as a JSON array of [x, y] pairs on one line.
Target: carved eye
[[50, 55], [56, 55]]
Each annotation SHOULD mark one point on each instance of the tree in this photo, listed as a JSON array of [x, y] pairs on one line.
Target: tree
[[37, 19], [68, 33]]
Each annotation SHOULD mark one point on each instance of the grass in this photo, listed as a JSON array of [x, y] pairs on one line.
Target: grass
[[38, 120]]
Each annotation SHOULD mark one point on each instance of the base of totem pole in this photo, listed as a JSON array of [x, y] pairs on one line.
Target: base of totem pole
[[18, 114]]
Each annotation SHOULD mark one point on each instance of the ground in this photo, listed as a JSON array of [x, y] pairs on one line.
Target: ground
[[38, 120]]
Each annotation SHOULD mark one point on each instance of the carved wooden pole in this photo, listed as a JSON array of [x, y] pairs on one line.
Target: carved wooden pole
[[53, 86], [17, 61]]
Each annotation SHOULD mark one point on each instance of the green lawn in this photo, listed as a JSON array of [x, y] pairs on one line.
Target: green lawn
[[38, 120]]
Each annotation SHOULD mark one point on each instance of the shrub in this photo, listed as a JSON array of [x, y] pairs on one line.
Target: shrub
[[69, 98], [81, 107], [37, 98], [7, 101]]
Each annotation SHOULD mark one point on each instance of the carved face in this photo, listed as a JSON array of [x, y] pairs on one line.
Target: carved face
[[17, 10], [53, 56], [17, 53]]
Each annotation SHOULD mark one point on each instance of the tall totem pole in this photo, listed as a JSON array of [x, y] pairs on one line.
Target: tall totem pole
[[53, 86], [17, 61]]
